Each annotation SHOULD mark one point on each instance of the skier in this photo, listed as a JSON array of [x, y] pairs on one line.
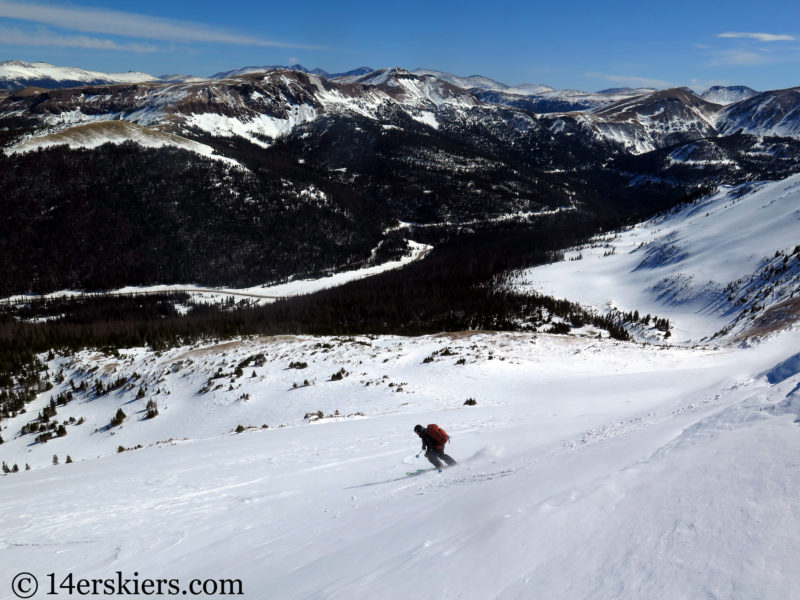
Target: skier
[[433, 440]]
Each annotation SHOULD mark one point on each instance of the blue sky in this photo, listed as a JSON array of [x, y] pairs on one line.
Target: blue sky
[[582, 45]]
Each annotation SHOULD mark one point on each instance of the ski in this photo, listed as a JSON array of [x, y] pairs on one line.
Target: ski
[[418, 471]]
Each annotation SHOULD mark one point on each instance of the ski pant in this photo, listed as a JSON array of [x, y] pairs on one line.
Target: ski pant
[[436, 456]]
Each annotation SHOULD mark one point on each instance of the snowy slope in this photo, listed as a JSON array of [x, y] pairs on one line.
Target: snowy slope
[[767, 114], [92, 135], [644, 123], [713, 265], [588, 469]]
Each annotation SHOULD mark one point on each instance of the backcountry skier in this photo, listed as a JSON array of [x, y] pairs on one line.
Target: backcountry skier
[[433, 440]]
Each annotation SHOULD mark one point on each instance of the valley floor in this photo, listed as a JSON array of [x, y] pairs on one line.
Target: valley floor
[[588, 468]]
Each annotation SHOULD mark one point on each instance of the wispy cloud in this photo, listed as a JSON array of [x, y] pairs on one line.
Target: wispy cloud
[[118, 23], [633, 81], [750, 49], [15, 37], [740, 58], [761, 37]]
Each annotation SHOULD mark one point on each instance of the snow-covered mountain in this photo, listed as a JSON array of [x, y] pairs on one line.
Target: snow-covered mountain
[[642, 123], [296, 67], [557, 101], [266, 105], [726, 266], [258, 69], [728, 94], [181, 78], [473, 81], [775, 113], [17, 75], [259, 106], [662, 118], [535, 97]]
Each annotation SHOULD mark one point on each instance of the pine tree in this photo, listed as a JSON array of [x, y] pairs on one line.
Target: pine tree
[[55, 459], [69, 459], [118, 418], [152, 409]]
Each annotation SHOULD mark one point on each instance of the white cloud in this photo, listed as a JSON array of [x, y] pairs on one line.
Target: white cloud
[[761, 37], [133, 25], [42, 37], [633, 81], [739, 57]]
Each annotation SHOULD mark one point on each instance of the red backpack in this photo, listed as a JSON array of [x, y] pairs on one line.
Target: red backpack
[[438, 435]]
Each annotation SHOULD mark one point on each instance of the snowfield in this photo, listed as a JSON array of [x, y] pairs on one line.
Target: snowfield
[[589, 468], [704, 266]]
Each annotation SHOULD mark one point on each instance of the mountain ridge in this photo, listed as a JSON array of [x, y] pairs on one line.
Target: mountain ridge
[[399, 146]]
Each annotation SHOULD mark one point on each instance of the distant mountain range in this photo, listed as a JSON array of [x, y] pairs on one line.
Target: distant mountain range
[[247, 70], [247, 178], [265, 103], [17, 75]]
